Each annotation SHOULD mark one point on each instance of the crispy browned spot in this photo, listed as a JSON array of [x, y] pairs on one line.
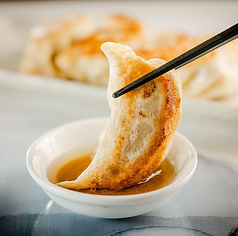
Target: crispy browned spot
[[141, 113]]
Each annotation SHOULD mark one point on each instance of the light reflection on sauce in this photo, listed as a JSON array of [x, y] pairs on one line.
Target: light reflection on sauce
[[72, 169]]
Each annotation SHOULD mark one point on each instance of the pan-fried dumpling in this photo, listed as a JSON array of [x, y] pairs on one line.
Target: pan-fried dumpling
[[46, 40], [213, 76], [141, 127], [76, 62]]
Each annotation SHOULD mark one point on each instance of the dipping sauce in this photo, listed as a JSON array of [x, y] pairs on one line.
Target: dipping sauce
[[163, 176]]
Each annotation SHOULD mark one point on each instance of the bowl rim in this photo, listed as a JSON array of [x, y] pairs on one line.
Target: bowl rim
[[115, 200]]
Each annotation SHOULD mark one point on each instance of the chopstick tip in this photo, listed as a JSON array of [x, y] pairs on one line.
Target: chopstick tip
[[114, 95]]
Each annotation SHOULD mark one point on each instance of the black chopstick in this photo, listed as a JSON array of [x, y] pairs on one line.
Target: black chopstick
[[185, 58]]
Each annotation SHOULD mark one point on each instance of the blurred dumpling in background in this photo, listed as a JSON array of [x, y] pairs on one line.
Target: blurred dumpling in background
[[70, 49], [85, 62], [48, 39], [214, 76]]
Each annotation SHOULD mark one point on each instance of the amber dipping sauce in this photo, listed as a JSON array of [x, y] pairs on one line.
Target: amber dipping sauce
[[163, 176]]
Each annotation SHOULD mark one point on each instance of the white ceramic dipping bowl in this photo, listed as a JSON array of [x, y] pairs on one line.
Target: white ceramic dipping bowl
[[69, 141]]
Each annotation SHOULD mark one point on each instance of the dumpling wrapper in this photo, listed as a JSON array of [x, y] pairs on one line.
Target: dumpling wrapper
[[141, 127]]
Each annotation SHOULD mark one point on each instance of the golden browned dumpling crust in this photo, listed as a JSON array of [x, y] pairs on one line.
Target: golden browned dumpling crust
[[141, 127]]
